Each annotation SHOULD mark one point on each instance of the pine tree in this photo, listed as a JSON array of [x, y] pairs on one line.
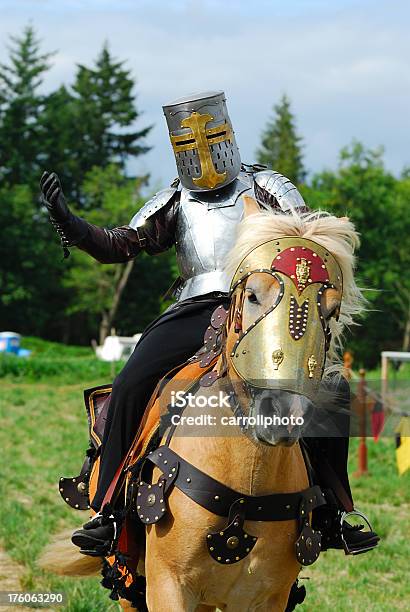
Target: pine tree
[[20, 107], [105, 108], [59, 144], [281, 147]]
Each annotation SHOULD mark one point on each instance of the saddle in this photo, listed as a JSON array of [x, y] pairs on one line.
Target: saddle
[[78, 491]]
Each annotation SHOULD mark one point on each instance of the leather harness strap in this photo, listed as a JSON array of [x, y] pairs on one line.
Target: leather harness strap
[[218, 498]]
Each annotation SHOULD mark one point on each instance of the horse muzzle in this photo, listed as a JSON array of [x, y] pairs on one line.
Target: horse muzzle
[[280, 416]]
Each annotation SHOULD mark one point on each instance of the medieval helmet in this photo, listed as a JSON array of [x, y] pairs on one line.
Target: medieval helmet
[[203, 141]]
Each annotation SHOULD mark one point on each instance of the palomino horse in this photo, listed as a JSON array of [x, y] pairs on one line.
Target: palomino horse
[[227, 503]]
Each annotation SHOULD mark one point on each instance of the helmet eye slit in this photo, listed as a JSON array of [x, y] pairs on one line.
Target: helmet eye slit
[[217, 135], [181, 143]]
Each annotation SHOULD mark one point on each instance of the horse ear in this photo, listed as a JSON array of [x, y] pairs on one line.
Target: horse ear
[[250, 206]]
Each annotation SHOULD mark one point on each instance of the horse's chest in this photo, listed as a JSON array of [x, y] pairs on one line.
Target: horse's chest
[[181, 548]]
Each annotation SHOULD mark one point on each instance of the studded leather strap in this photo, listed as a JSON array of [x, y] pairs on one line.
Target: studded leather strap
[[218, 498]]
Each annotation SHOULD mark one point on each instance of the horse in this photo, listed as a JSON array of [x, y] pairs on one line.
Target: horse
[[206, 547]]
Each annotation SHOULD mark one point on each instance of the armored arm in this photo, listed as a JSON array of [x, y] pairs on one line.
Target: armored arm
[[151, 229], [273, 190]]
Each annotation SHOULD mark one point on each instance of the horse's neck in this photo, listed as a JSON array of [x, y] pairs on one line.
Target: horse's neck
[[234, 459]]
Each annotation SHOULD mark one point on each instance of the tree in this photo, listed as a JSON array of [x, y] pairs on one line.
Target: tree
[[281, 147], [85, 133], [399, 252], [20, 108], [31, 294], [378, 204], [98, 289], [58, 140], [90, 124], [105, 108]]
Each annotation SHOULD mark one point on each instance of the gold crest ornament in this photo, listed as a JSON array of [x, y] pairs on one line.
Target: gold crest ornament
[[312, 363], [277, 358], [302, 272]]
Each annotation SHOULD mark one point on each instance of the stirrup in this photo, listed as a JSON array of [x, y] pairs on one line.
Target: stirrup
[[100, 545], [343, 517]]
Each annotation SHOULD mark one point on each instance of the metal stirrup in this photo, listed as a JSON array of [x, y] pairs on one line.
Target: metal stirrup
[[343, 517]]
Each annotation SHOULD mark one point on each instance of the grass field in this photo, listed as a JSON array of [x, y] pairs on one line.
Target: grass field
[[43, 436]]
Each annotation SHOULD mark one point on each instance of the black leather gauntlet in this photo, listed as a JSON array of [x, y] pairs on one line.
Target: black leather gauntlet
[[70, 228]]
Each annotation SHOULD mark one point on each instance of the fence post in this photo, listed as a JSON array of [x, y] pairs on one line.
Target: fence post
[[385, 376], [362, 451], [347, 364]]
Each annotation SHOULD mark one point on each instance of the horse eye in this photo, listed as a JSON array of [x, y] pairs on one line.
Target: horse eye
[[252, 298], [332, 310], [330, 303]]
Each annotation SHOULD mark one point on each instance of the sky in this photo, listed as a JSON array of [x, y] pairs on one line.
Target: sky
[[344, 64]]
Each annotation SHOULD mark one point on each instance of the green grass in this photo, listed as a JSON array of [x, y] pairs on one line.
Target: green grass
[[52, 360], [45, 348], [376, 581], [43, 436]]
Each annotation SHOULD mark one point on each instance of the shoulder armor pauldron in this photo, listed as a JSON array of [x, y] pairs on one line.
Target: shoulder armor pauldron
[[282, 189], [158, 201]]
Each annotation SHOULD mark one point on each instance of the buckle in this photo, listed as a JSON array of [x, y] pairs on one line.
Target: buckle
[[343, 517], [142, 240]]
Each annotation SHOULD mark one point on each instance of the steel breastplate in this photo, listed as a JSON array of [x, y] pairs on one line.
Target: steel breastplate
[[205, 233]]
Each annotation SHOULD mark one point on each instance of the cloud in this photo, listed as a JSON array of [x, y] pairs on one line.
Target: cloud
[[342, 64]]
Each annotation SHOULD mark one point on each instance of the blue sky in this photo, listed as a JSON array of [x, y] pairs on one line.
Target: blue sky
[[344, 64]]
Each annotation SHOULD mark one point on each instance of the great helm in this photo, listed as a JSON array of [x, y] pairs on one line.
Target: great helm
[[286, 347], [203, 141]]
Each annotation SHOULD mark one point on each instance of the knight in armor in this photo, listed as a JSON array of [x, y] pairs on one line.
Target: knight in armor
[[198, 214]]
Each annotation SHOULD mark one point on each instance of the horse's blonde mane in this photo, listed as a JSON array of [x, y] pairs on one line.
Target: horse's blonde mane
[[336, 234]]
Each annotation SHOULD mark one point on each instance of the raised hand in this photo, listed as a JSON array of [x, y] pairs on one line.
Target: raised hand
[[53, 198]]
